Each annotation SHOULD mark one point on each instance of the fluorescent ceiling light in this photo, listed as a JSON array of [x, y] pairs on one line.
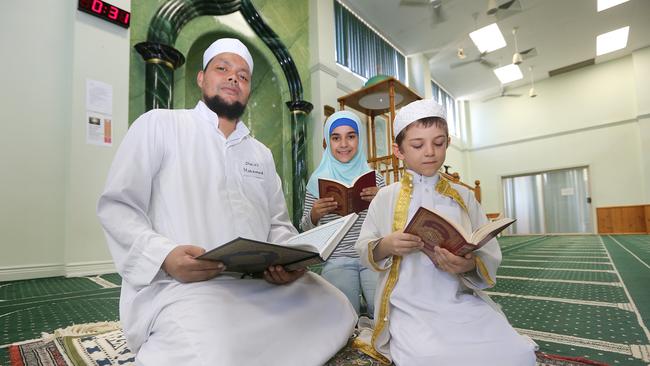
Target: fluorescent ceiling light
[[612, 41], [606, 4], [488, 38], [508, 73]]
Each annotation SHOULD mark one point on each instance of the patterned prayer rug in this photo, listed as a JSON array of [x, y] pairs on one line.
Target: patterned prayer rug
[[103, 344]]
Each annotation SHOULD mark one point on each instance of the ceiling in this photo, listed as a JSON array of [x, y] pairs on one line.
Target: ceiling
[[562, 31]]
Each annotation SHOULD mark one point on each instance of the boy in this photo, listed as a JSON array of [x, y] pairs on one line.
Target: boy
[[429, 309]]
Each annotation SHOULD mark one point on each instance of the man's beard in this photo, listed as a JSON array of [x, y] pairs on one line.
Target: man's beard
[[222, 109]]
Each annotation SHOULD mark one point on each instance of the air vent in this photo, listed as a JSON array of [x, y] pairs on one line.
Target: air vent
[[576, 66]]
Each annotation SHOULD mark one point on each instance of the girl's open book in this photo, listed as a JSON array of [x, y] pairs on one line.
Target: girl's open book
[[347, 196], [436, 230], [311, 247]]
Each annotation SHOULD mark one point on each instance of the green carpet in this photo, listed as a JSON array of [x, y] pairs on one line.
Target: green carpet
[[631, 254], [30, 307], [578, 296]]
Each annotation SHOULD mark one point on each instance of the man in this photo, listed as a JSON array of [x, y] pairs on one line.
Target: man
[[186, 181]]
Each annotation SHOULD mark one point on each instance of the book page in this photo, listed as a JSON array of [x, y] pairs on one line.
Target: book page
[[323, 239], [314, 240], [490, 230]]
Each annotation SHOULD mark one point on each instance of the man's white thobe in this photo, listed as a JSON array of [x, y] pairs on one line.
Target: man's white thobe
[[176, 179]]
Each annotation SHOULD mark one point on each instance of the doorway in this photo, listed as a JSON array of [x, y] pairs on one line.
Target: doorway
[[551, 202]]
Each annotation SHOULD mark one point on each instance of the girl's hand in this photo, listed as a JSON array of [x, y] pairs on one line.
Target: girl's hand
[[322, 207], [368, 193]]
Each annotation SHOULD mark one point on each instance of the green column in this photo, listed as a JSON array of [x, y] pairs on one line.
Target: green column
[[161, 61], [299, 112]]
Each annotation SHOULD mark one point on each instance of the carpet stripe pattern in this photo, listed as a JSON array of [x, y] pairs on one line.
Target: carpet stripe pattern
[[579, 295]]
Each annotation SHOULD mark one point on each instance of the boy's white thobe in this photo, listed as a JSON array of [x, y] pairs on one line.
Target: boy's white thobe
[[432, 317], [176, 179]]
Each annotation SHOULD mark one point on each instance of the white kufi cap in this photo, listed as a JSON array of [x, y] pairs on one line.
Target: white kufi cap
[[414, 111], [224, 45]]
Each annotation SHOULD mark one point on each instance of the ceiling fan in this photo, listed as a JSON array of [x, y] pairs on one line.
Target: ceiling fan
[[439, 14], [504, 93], [504, 9], [480, 59], [519, 57]]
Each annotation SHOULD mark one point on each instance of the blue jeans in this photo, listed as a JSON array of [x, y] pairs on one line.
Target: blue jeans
[[353, 279]]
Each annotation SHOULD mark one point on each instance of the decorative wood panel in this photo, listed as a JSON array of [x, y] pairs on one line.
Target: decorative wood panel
[[623, 219]]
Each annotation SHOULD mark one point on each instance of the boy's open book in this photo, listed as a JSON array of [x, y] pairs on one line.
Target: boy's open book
[[436, 230], [347, 196], [311, 247]]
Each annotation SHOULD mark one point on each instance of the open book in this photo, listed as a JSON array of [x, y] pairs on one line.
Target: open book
[[348, 196], [311, 247], [436, 230]]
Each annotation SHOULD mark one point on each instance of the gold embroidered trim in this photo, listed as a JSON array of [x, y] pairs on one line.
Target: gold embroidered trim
[[369, 350], [371, 257], [403, 201], [444, 188], [484, 271], [399, 222]]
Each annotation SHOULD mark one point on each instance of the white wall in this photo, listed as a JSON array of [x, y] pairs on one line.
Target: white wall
[[34, 81], [589, 117], [641, 61], [50, 178], [584, 98], [101, 52]]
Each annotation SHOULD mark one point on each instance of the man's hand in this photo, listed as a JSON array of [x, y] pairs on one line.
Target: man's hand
[[181, 264], [368, 193], [278, 276], [451, 263], [321, 208], [397, 243]]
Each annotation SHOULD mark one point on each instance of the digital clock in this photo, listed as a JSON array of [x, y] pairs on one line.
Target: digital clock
[[105, 11]]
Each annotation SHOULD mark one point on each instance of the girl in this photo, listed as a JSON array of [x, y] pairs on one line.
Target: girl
[[344, 159]]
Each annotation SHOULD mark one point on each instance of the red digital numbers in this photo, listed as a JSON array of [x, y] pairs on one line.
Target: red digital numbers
[[105, 11], [113, 12], [97, 6]]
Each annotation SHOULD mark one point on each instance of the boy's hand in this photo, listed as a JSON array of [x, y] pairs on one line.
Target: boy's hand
[[277, 275], [368, 193], [322, 207], [451, 263], [397, 243], [182, 265]]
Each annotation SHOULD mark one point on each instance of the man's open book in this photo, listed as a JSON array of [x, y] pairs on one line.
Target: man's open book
[[348, 196], [436, 230], [311, 247]]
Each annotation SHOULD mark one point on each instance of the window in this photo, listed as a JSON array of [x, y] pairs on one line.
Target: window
[[447, 101], [362, 50]]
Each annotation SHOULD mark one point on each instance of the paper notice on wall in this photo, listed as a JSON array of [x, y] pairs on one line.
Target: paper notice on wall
[[567, 191], [98, 129], [99, 113], [99, 97]]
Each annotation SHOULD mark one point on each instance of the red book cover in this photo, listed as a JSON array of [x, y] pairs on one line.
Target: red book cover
[[348, 197], [436, 230]]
